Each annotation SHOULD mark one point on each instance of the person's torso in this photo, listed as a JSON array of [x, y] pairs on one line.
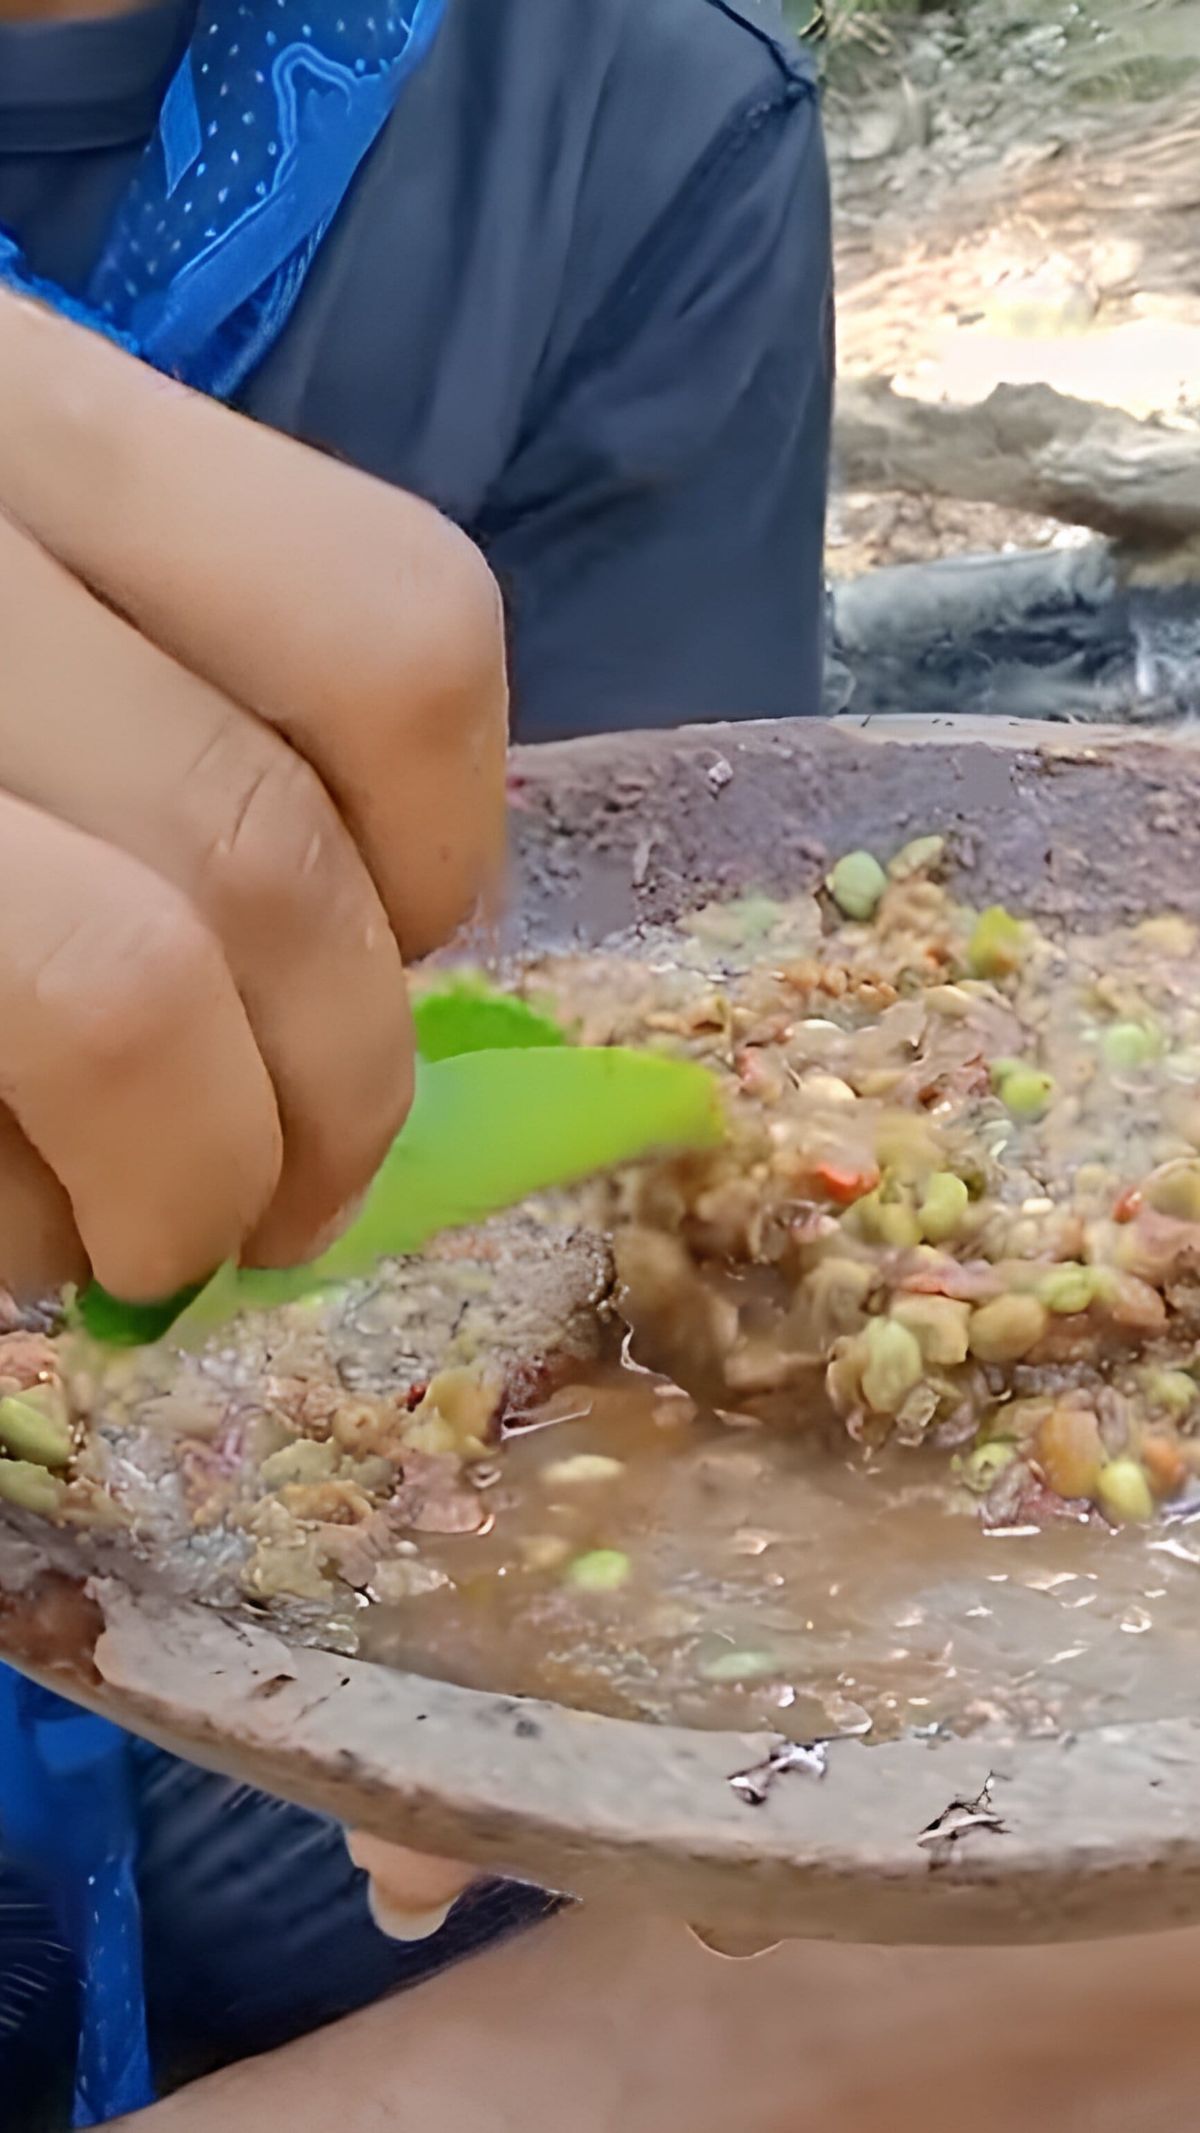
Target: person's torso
[[529, 157]]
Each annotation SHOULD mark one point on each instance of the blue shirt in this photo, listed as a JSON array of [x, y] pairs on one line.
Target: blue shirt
[[579, 298]]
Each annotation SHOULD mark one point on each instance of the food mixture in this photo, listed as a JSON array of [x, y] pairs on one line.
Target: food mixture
[[729, 1435]]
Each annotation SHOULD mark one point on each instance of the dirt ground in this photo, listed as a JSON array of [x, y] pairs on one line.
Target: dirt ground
[[1017, 197]]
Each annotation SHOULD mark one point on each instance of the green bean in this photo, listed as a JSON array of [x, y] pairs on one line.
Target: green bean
[[582, 1470], [890, 1222], [733, 1667], [1068, 1289], [893, 1364], [30, 1434], [981, 1467], [1025, 1091], [836, 1292], [1175, 1190], [604, 1570], [921, 855], [1125, 1493], [997, 944], [856, 885], [746, 921], [1007, 1328], [1129, 1045], [30, 1487], [939, 1324], [1172, 1390], [943, 1207]]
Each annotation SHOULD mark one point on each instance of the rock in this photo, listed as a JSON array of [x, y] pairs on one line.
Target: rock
[[903, 122], [876, 135]]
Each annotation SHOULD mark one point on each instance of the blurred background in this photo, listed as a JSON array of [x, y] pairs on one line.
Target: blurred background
[[1018, 246]]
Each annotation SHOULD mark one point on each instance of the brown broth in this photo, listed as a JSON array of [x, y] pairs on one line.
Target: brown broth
[[782, 1574], [865, 1592]]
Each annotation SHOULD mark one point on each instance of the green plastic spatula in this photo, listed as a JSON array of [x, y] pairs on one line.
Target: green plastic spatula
[[504, 1107]]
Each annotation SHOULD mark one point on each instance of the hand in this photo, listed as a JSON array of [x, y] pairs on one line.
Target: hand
[[345, 614], [206, 1047], [411, 1895]]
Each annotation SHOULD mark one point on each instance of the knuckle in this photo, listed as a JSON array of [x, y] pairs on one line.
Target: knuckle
[[471, 595], [468, 665], [280, 855], [125, 991], [443, 673]]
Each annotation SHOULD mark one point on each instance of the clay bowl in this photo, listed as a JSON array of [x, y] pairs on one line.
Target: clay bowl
[[1101, 1830]]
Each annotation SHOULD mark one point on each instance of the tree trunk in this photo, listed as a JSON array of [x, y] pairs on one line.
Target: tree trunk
[[1031, 449]]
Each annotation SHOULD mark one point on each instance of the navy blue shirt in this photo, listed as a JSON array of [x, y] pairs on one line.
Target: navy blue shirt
[[579, 297]]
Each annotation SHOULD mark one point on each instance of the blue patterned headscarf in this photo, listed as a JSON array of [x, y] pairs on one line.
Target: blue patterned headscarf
[[270, 115], [273, 108]]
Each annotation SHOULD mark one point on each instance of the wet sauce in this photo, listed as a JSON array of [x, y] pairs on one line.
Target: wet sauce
[[780, 1573], [780, 1580]]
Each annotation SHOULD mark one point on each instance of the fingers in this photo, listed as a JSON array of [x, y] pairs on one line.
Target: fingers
[[127, 1061], [40, 1248], [369, 634], [411, 1895], [347, 614], [100, 729], [319, 967]]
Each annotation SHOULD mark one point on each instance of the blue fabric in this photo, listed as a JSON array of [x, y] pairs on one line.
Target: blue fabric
[[271, 112], [251, 1924], [66, 1817], [262, 131]]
